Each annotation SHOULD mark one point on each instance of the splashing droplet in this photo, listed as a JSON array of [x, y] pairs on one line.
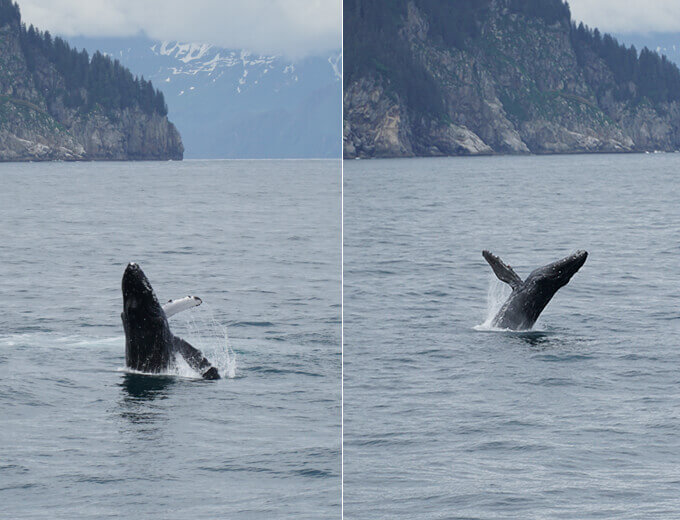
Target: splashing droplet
[[199, 327], [496, 296]]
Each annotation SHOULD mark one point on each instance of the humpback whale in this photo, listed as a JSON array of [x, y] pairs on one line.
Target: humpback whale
[[149, 344], [529, 297]]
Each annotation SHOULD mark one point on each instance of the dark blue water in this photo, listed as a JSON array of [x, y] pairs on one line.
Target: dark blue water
[[578, 419], [259, 243]]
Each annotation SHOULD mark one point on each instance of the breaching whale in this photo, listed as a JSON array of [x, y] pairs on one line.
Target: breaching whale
[[529, 297], [149, 344]]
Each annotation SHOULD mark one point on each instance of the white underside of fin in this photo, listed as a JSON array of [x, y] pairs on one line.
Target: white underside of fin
[[174, 306]]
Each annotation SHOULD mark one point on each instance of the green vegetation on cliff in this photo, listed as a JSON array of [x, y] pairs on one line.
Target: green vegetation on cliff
[[446, 77], [656, 78], [373, 44], [100, 80], [58, 103]]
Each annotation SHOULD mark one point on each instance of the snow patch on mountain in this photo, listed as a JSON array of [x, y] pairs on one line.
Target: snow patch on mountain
[[234, 103]]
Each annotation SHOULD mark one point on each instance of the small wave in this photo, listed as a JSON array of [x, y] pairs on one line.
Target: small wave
[[48, 338], [231, 467], [252, 324], [555, 381], [487, 327], [638, 357], [316, 473], [269, 370], [171, 371], [12, 340], [569, 357], [15, 487], [80, 342], [536, 332]]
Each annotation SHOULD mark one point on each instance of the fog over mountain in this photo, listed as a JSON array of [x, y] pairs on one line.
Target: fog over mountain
[[628, 16], [292, 28], [230, 103], [654, 24]]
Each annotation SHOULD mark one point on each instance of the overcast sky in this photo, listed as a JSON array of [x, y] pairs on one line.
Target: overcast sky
[[293, 27], [296, 28], [628, 16]]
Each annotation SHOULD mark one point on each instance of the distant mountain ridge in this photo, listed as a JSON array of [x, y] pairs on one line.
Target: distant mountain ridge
[[57, 103], [427, 77], [234, 104]]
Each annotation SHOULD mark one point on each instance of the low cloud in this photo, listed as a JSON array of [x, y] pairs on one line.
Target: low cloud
[[295, 28], [628, 16]]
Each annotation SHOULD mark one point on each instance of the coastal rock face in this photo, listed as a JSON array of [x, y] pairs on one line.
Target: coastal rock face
[[35, 129], [380, 127], [130, 135], [519, 89]]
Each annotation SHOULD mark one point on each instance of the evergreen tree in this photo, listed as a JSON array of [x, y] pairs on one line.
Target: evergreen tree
[[9, 13], [654, 77], [99, 81]]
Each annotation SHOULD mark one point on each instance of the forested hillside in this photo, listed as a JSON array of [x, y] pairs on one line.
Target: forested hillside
[[58, 103], [433, 77]]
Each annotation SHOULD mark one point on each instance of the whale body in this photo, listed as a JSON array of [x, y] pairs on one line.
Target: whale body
[[529, 297], [149, 344]]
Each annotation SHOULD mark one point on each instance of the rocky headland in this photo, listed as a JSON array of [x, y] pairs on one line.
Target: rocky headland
[[500, 76], [58, 104]]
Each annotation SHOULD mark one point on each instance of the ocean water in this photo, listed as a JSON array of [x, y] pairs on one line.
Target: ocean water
[[258, 241], [579, 418]]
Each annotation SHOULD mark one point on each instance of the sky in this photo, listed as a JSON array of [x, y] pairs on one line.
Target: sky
[[628, 16], [295, 28]]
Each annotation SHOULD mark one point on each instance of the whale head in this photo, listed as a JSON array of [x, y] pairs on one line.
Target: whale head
[[145, 323], [138, 295]]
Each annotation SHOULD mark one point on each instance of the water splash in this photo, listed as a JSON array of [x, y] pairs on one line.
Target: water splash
[[496, 295], [178, 368], [200, 328], [182, 369]]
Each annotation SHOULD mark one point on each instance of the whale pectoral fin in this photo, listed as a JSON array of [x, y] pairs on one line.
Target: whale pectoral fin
[[174, 306], [503, 271], [195, 359]]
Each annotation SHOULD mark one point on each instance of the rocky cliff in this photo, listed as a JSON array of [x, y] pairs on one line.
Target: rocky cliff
[[516, 83], [40, 121]]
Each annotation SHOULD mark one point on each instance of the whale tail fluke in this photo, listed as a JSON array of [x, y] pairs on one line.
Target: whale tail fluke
[[502, 270], [560, 272]]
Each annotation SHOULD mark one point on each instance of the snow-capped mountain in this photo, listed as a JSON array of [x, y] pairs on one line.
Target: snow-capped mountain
[[231, 103]]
